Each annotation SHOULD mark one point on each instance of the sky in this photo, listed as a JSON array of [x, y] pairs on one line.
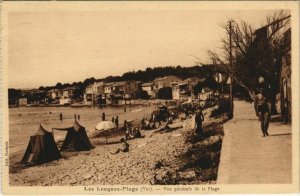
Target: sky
[[45, 48]]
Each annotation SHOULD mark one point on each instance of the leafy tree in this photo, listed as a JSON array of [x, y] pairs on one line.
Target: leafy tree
[[254, 53], [197, 88], [59, 85], [211, 83], [143, 94], [41, 88], [165, 93]]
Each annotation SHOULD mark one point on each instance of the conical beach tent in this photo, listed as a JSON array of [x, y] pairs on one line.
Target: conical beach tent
[[41, 148], [76, 138]]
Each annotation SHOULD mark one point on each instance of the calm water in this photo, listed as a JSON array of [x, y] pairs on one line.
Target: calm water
[[24, 122]]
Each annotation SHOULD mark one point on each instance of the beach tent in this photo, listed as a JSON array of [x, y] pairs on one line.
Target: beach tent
[[76, 138], [41, 148]]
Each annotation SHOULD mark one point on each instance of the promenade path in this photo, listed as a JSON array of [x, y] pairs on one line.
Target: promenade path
[[249, 158]]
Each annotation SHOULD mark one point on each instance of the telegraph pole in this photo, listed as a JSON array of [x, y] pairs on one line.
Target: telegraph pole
[[231, 68]]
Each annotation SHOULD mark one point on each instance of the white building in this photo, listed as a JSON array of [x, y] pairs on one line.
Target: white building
[[23, 102], [67, 95], [180, 90], [205, 94], [54, 94], [93, 92], [64, 100], [149, 88]]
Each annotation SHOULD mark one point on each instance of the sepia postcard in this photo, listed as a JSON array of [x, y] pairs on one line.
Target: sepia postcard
[[149, 97]]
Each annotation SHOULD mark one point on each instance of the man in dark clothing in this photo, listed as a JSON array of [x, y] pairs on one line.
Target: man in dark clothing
[[262, 105], [60, 116], [199, 118], [103, 116], [262, 109], [117, 122]]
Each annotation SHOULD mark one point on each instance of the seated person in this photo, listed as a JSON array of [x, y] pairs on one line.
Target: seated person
[[125, 147], [137, 133], [170, 120], [129, 134]]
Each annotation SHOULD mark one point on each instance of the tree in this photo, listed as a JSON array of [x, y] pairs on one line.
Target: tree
[[211, 83], [143, 94], [254, 53], [41, 88], [58, 85], [197, 88], [165, 93]]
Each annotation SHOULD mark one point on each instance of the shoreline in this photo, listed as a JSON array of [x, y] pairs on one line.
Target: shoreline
[[22, 127], [78, 105], [138, 166]]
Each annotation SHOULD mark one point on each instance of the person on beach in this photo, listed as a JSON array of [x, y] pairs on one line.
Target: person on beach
[[285, 112], [262, 105], [61, 116], [78, 116], [262, 111], [137, 133], [186, 113], [113, 119], [103, 116], [125, 147], [143, 123], [117, 122], [199, 118], [125, 124]]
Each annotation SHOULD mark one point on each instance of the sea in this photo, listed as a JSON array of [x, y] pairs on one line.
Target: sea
[[25, 121]]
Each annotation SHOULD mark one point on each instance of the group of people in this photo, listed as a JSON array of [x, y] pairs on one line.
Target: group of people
[[130, 131], [115, 121], [152, 123], [76, 116]]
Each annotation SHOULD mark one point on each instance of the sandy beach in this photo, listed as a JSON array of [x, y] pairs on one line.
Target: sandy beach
[[24, 121], [158, 158]]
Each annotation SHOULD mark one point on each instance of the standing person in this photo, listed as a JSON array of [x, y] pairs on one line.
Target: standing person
[[103, 116], [78, 116], [143, 123], [264, 88], [186, 113], [285, 111], [125, 109], [113, 119], [199, 118], [61, 116], [75, 116], [117, 122], [262, 110]]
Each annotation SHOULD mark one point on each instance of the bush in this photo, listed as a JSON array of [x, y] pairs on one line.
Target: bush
[[224, 107], [165, 93]]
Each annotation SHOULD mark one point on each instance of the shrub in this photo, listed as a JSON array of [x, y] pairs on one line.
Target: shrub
[[224, 107]]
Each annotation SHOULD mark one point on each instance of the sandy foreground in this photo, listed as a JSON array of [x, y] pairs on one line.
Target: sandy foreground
[[158, 158]]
